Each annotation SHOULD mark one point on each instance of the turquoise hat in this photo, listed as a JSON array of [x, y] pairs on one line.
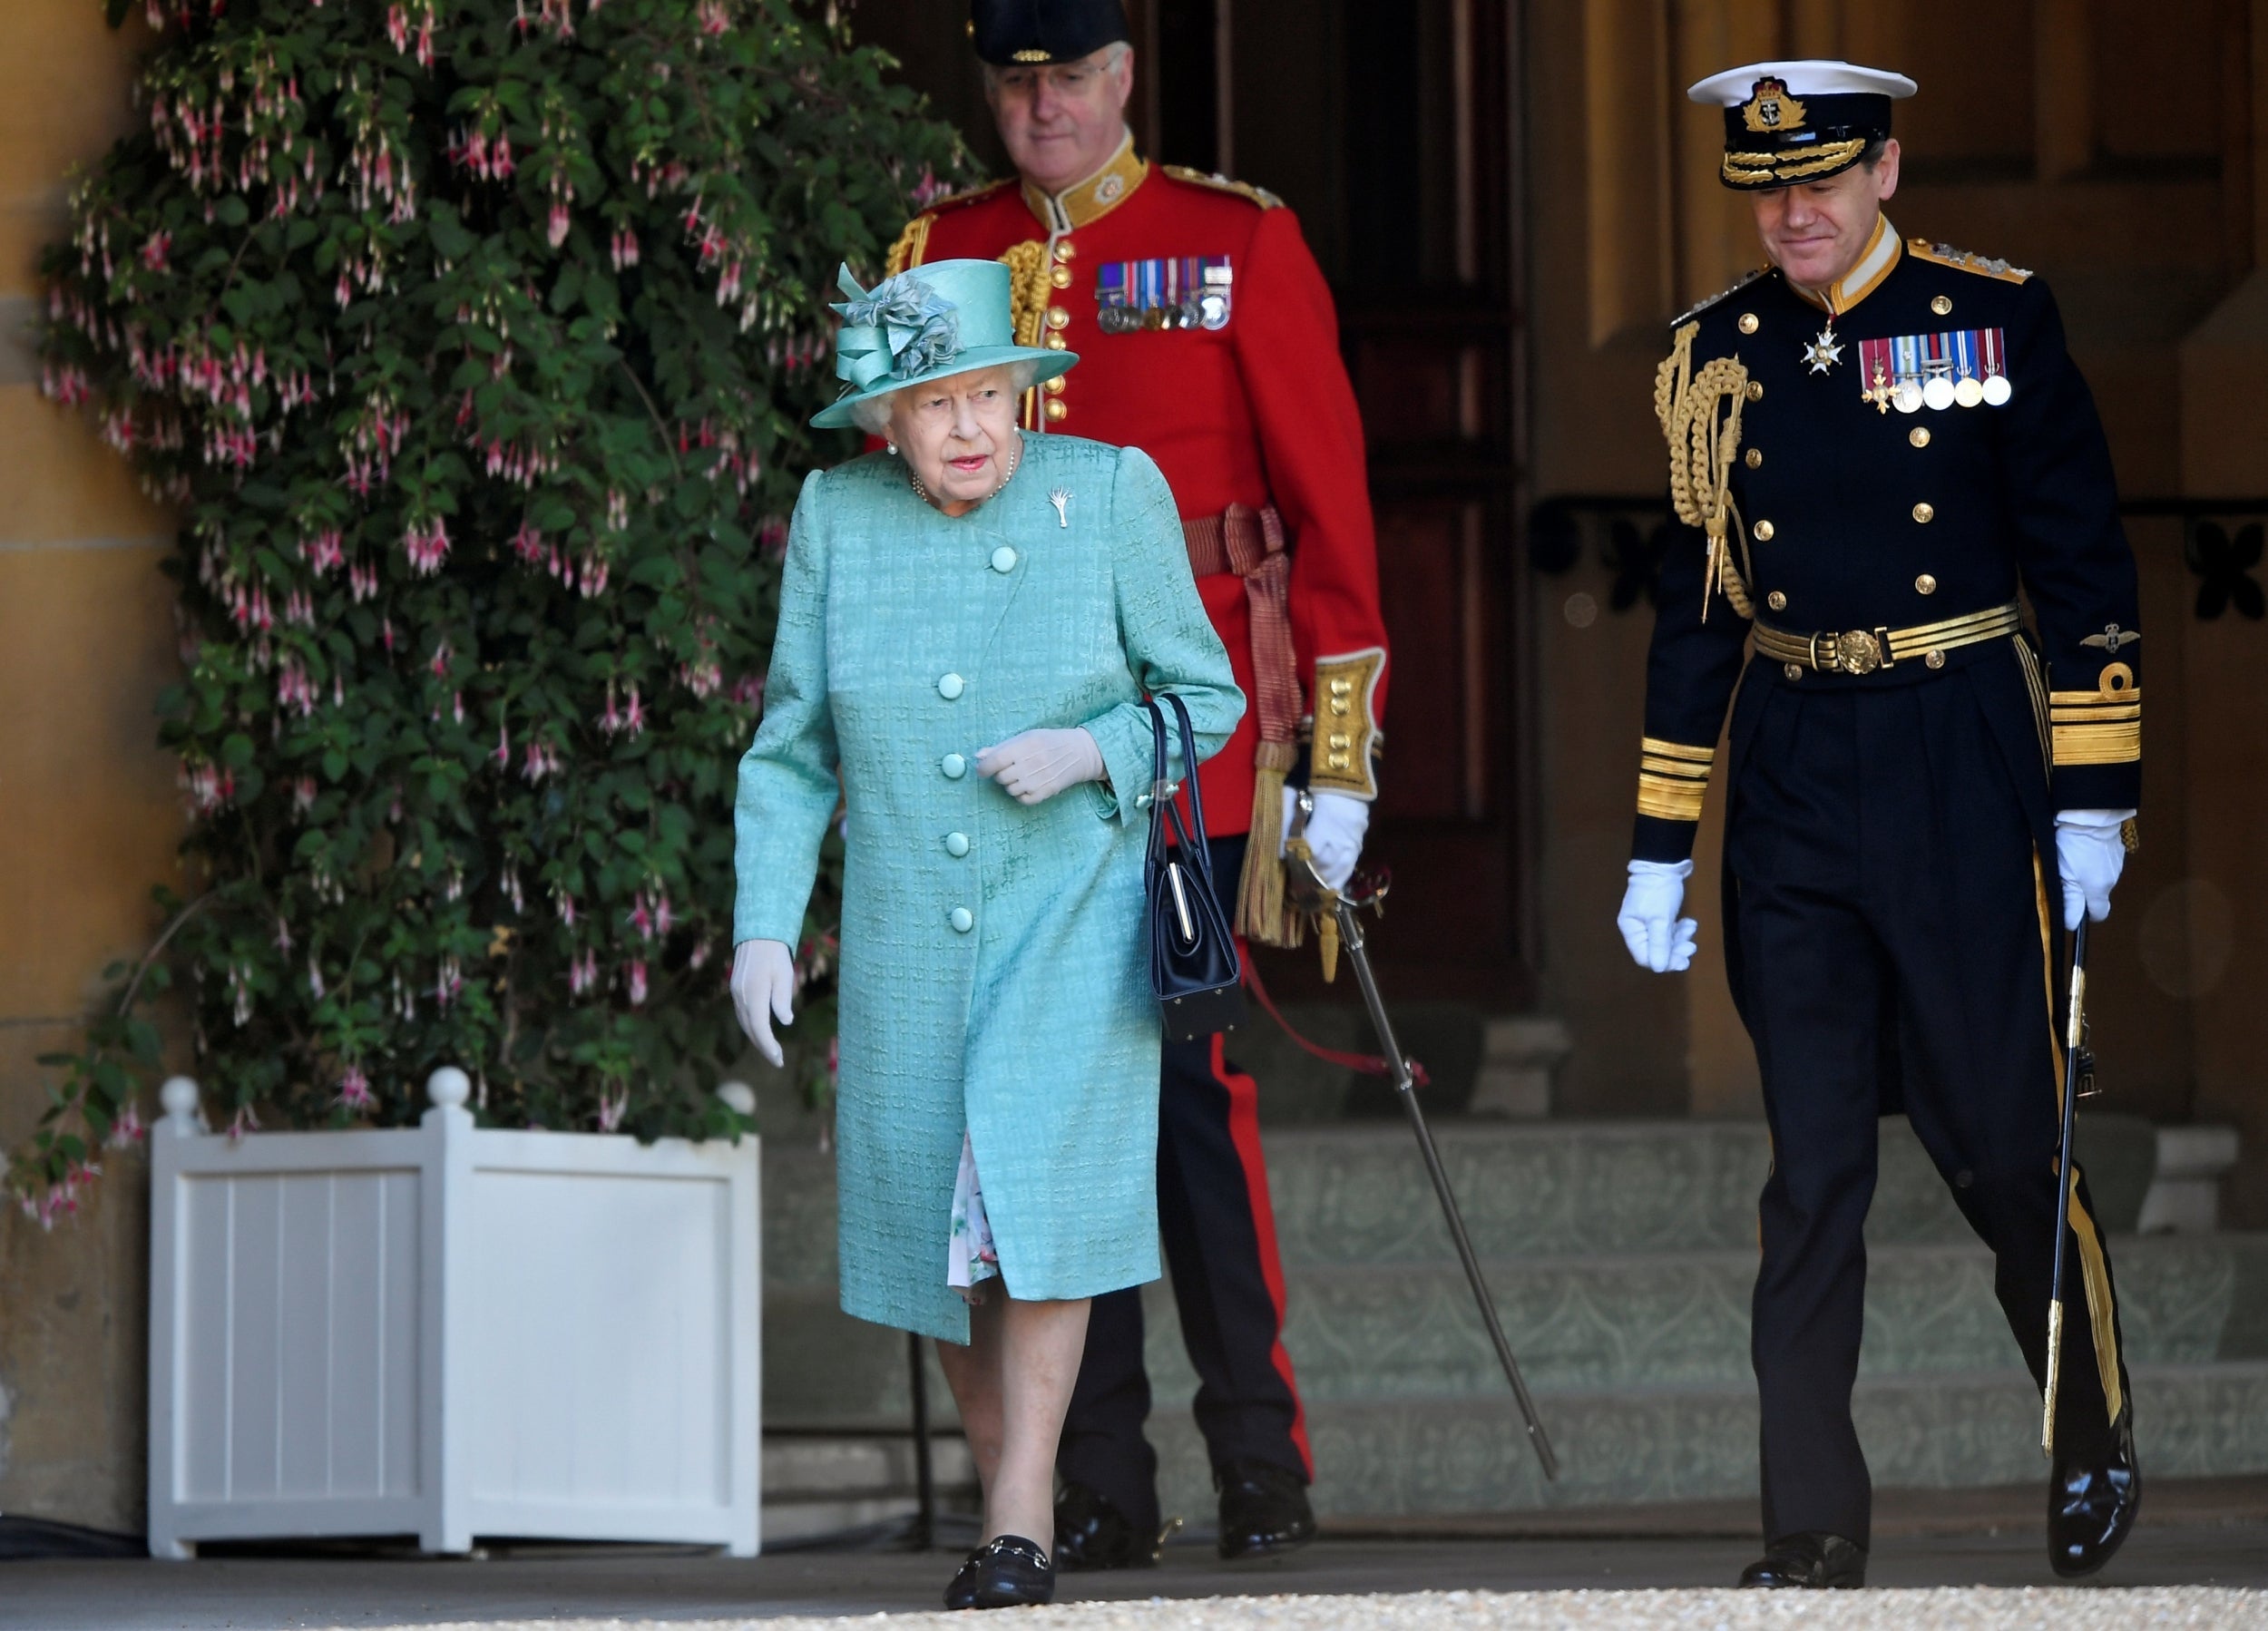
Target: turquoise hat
[[949, 317]]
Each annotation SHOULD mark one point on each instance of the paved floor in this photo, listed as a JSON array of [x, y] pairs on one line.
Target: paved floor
[[2208, 1537]]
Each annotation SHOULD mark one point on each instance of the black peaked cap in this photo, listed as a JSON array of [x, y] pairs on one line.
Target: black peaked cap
[[1012, 33]]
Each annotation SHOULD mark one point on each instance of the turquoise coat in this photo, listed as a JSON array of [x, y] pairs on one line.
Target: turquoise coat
[[994, 965]]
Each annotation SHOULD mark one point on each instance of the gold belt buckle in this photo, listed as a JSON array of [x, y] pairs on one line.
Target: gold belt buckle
[[1854, 651]]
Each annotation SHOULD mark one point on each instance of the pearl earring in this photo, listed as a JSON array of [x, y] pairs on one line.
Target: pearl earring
[[892, 447]]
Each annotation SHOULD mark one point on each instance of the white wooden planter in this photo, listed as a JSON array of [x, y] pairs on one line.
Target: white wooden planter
[[451, 1331]]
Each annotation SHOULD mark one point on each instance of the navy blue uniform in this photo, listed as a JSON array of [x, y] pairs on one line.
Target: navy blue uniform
[[1849, 557]]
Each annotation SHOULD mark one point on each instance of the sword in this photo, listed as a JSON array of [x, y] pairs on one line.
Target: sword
[[2075, 1067], [1307, 891]]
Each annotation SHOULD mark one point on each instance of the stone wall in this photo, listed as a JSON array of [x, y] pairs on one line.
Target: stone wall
[[87, 800]]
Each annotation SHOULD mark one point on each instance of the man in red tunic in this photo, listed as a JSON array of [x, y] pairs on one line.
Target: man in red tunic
[[1209, 339]]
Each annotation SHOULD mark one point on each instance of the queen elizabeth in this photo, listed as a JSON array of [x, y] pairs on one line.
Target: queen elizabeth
[[969, 622]]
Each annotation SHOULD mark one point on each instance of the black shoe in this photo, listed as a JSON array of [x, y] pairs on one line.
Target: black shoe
[[1091, 1532], [962, 1592], [1810, 1560], [1011, 1572], [1264, 1510], [2091, 1503]]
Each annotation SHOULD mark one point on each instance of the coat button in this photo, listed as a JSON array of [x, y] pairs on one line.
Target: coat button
[[1919, 435], [1065, 248], [1058, 317], [1755, 456], [1061, 276], [956, 845], [1794, 670], [1004, 559], [1764, 531], [1924, 512], [1056, 410], [1935, 660], [951, 687], [1056, 342], [1776, 600], [1941, 305], [1748, 322], [1925, 584], [1755, 390], [953, 766], [961, 919]]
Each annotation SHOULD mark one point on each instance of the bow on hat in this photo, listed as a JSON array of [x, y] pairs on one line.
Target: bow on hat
[[899, 328]]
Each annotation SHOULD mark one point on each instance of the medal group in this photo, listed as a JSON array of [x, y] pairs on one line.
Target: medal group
[[1962, 368]]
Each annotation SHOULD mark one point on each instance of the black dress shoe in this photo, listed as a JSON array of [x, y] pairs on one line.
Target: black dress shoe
[[1264, 1510], [1810, 1560], [1011, 1572], [1091, 1532], [962, 1592], [2091, 1503]]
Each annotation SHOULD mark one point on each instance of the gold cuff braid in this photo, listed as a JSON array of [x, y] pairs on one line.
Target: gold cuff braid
[[2097, 728], [1347, 723], [1673, 778]]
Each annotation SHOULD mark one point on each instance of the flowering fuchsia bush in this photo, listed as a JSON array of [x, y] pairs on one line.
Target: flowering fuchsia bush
[[472, 341]]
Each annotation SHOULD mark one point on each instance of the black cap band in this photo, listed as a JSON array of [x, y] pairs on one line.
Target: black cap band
[[1012, 33], [1776, 139]]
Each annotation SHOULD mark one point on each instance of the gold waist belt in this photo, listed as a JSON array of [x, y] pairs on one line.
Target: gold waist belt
[[1863, 650]]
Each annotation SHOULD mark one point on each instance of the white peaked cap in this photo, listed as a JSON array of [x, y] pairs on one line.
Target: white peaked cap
[[1814, 78]]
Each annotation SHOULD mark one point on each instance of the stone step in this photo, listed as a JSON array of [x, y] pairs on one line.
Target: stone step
[[1355, 1193], [1376, 1333], [1438, 1457]]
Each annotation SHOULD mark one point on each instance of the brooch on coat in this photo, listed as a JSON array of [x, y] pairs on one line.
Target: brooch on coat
[[1062, 499]]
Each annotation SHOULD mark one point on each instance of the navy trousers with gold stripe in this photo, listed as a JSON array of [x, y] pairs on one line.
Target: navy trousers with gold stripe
[[1889, 864]]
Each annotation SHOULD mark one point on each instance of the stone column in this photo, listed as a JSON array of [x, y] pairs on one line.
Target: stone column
[[2225, 453], [87, 801]]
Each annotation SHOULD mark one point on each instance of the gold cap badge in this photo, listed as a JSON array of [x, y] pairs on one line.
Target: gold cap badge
[[1771, 109]]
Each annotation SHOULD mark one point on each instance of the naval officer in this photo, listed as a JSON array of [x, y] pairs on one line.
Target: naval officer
[[1209, 339], [1876, 445]]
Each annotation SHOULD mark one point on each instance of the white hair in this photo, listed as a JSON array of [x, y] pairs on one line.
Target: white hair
[[873, 414], [1113, 54]]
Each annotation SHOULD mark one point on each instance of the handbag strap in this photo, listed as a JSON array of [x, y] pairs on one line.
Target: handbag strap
[[1195, 842]]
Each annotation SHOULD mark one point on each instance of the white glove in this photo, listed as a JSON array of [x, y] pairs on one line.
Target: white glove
[[2090, 853], [1657, 937], [1039, 763], [1334, 831], [763, 989]]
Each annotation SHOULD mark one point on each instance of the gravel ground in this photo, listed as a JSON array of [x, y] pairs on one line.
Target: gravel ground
[[1971, 1609]]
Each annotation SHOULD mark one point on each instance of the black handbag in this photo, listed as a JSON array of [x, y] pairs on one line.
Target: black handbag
[[1193, 970]]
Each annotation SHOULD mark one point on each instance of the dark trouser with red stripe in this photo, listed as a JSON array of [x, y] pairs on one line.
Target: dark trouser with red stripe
[[1890, 878], [1219, 1235]]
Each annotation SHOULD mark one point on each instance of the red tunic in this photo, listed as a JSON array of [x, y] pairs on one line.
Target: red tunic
[[1258, 410]]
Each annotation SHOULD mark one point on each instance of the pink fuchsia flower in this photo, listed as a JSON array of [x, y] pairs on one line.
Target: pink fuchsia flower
[[503, 756], [634, 978], [128, 1129], [354, 1092], [426, 544], [315, 979], [614, 1103], [556, 229], [528, 544], [566, 908], [154, 250]]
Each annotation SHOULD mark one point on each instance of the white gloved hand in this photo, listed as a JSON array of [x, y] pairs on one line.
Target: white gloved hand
[[763, 989], [2090, 853], [1334, 833], [1657, 937], [1039, 763]]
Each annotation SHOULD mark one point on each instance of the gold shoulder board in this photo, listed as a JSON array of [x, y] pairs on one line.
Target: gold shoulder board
[[1944, 254], [1243, 189], [1686, 316]]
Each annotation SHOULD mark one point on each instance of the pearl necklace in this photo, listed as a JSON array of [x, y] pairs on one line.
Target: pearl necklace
[[922, 492]]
